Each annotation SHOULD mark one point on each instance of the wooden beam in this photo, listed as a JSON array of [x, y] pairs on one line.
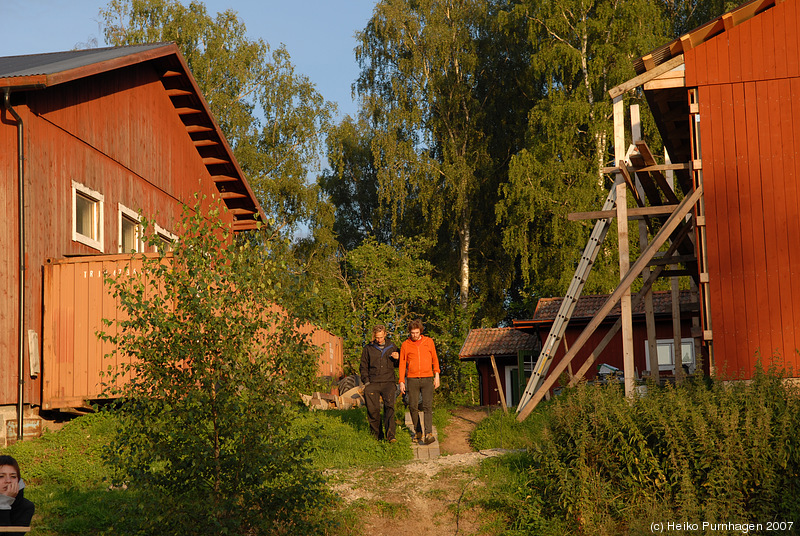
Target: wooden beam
[[663, 235], [176, 92], [632, 213], [500, 384], [659, 167], [625, 298], [193, 129], [213, 160], [673, 259], [637, 81]]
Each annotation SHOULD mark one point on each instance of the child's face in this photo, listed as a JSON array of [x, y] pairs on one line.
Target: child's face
[[7, 475]]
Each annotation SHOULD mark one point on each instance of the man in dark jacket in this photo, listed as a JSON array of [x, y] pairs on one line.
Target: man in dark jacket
[[378, 361]]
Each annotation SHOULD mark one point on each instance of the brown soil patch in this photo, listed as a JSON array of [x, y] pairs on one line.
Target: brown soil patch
[[423, 497], [462, 423]]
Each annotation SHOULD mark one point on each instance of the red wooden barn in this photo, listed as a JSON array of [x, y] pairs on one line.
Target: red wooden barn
[[730, 102], [89, 140], [725, 100]]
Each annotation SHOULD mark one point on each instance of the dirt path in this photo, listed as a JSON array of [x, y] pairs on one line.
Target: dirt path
[[423, 497]]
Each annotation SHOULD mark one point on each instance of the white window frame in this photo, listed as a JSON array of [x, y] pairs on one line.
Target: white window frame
[[99, 201], [126, 213], [165, 235], [671, 365]]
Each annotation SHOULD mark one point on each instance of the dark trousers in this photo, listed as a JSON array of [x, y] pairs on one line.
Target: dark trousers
[[415, 388], [373, 393]]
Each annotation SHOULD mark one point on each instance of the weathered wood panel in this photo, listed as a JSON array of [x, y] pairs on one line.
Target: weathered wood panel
[[116, 133], [751, 153], [77, 301]]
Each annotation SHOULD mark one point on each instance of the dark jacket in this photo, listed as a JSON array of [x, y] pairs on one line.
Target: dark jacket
[[377, 364], [20, 514]]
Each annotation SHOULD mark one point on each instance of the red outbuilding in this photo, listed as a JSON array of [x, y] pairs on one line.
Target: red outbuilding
[[89, 140]]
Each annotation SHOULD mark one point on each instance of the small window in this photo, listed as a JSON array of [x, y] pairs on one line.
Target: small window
[[130, 231], [666, 354], [87, 216], [166, 239]]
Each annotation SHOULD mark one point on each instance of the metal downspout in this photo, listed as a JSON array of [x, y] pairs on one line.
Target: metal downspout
[[21, 223]]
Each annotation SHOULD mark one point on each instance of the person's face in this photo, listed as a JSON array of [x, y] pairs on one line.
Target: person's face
[[380, 337], [7, 475], [415, 334]]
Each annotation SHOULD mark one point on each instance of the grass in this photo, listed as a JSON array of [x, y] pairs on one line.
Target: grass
[[69, 481], [697, 437]]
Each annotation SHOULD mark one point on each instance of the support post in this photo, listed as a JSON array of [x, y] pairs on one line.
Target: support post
[[499, 385]]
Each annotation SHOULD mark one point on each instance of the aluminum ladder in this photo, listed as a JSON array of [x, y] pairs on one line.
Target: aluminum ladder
[[570, 300]]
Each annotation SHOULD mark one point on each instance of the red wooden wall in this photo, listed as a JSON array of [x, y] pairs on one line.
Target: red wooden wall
[[116, 133], [613, 352], [748, 81]]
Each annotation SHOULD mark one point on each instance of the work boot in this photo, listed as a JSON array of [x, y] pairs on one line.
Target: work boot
[[429, 439]]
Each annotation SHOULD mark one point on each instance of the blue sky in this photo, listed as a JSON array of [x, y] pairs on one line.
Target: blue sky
[[319, 34]]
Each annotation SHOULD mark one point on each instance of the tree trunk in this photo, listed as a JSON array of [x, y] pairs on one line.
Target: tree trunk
[[464, 237]]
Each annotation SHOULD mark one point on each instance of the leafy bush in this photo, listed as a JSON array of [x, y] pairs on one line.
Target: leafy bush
[[205, 410], [702, 451]]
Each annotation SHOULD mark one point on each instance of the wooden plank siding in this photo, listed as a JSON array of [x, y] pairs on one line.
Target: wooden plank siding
[[117, 133], [77, 302], [748, 93]]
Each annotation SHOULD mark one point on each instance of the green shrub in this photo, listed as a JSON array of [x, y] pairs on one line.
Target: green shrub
[[205, 412], [702, 451]]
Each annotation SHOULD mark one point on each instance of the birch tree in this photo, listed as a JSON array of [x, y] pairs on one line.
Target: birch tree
[[579, 50]]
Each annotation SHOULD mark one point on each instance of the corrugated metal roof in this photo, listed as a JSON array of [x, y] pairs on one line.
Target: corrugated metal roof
[[498, 342], [56, 62]]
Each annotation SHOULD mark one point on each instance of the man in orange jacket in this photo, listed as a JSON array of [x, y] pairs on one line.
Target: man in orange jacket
[[420, 366]]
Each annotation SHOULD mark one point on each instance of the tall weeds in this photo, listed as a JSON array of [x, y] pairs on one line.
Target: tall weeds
[[702, 451]]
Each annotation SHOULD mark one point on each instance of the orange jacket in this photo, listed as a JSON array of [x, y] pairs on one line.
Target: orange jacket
[[420, 356]]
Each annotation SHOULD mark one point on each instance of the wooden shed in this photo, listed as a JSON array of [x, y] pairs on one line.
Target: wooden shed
[[611, 354], [725, 101], [499, 354], [89, 140]]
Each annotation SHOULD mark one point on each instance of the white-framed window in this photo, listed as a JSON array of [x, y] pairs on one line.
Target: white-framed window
[[166, 239], [666, 354], [87, 216], [130, 236]]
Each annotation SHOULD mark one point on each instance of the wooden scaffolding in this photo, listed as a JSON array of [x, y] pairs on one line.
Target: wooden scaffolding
[[671, 213]]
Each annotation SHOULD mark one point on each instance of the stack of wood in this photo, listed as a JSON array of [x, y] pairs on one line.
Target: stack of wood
[[352, 398]]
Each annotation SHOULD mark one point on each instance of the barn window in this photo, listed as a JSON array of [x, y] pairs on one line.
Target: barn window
[[87, 216], [131, 239], [166, 239], [666, 354]]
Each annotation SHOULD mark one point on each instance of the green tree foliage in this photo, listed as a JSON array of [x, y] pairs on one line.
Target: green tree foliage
[[372, 284], [579, 50], [204, 407], [351, 186], [274, 118], [433, 79]]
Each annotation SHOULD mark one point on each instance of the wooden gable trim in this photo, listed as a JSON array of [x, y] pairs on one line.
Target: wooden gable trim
[[192, 109]]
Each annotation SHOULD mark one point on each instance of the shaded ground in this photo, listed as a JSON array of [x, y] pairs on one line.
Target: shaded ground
[[422, 497]]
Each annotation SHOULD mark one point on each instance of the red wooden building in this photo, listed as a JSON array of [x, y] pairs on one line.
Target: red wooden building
[[732, 99], [518, 347], [89, 140], [725, 100]]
